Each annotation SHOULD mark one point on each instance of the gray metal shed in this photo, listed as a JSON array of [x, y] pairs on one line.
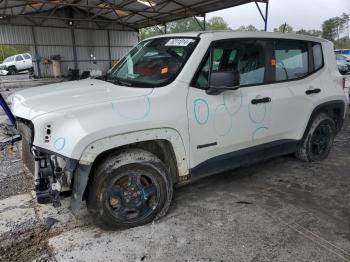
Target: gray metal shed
[[106, 29]]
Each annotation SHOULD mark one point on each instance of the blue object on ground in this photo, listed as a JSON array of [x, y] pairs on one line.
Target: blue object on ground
[[8, 111]]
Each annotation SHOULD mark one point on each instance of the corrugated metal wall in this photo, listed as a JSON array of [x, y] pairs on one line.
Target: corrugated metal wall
[[91, 45]]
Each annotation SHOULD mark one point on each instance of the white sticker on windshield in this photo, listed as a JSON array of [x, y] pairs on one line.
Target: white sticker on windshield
[[179, 42]]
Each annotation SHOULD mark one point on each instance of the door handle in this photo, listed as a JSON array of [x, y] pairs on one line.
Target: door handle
[[261, 100], [312, 91]]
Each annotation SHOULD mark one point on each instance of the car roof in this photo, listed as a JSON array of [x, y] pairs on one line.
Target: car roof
[[217, 35]]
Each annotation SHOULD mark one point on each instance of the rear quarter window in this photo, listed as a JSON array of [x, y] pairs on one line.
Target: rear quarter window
[[317, 56]]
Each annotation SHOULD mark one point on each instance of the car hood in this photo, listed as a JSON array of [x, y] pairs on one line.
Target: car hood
[[37, 101]]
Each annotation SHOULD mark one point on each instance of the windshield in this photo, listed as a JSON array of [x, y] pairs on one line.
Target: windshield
[[155, 62], [9, 59]]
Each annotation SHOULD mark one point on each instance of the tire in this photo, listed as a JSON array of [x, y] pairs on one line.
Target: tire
[[319, 139], [129, 189], [12, 71]]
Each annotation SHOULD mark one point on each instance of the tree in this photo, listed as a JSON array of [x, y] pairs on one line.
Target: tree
[[333, 28], [312, 32], [284, 28], [185, 25], [217, 23], [9, 50], [247, 28], [150, 31]]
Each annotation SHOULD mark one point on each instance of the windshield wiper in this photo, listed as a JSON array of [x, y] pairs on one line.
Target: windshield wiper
[[117, 81]]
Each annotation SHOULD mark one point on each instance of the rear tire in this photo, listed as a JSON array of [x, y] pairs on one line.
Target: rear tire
[[129, 189], [319, 140]]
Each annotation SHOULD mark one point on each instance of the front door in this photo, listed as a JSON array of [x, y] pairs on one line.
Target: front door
[[235, 119]]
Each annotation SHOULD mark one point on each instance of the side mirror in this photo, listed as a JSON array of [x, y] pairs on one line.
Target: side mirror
[[222, 81]]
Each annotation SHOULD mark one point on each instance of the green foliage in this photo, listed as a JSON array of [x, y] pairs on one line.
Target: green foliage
[[247, 28], [312, 32], [333, 28], [217, 23], [284, 28], [10, 50], [185, 25], [150, 32], [343, 43], [190, 24]]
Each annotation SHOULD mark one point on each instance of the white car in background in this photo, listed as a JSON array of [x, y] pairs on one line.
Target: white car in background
[[17, 63], [343, 63]]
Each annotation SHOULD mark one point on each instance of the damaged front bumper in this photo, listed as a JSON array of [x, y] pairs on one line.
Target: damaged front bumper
[[55, 176]]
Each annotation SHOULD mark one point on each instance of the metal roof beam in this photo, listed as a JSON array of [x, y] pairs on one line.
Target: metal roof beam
[[76, 19]]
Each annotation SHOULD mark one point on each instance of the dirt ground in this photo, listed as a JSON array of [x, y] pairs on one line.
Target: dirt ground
[[278, 210]]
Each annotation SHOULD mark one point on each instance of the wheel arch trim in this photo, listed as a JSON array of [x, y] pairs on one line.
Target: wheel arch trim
[[96, 148], [326, 107]]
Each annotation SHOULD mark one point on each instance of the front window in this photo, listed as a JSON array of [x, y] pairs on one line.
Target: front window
[[154, 62], [246, 57]]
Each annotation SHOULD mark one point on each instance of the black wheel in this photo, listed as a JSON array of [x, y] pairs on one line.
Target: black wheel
[[129, 189], [12, 71], [319, 139]]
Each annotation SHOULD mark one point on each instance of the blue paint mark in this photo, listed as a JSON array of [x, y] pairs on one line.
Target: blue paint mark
[[59, 143], [224, 133], [196, 104], [254, 120], [240, 105], [143, 116], [257, 130]]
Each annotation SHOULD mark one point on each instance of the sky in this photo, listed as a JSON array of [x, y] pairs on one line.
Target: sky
[[307, 14]]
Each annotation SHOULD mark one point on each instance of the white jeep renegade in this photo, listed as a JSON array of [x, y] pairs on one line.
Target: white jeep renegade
[[175, 109]]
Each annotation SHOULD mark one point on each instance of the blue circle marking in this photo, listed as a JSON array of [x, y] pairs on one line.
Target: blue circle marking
[[258, 130], [254, 120], [59, 143], [140, 117], [200, 102]]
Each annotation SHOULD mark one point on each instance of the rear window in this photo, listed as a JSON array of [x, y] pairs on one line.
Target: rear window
[[291, 60]]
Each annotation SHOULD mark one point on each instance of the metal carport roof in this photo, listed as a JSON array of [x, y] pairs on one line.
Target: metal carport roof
[[133, 14]]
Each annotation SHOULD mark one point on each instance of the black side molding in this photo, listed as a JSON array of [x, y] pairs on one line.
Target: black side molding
[[242, 157]]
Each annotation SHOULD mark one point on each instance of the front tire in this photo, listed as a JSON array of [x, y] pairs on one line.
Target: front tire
[[12, 71], [129, 189], [319, 140]]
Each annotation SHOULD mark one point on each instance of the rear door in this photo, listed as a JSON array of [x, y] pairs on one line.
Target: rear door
[[296, 77], [20, 63], [28, 61]]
